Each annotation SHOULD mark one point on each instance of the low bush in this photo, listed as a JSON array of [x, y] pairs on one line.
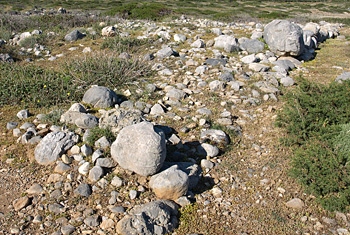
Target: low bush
[[316, 118]]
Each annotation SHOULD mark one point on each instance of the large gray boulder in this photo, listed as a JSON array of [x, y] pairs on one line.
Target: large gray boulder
[[101, 97], [140, 148], [226, 42], [117, 119], [284, 37], [154, 218], [171, 183], [53, 145]]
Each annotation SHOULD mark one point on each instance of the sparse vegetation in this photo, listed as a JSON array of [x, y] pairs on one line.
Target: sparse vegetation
[[97, 133]]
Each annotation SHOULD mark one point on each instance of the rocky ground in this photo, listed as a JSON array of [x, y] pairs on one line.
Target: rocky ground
[[200, 84]]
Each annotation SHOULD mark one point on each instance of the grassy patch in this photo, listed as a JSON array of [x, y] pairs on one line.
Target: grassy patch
[[97, 133]]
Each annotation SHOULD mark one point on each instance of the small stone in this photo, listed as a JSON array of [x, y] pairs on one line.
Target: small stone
[[83, 190], [86, 150], [23, 114], [97, 154], [132, 194], [216, 191], [92, 221], [35, 189], [117, 209], [207, 164], [14, 230], [75, 150], [61, 167], [21, 203], [67, 229], [11, 125], [107, 224], [37, 219], [117, 182], [295, 203], [96, 173], [84, 168], [66, 159]]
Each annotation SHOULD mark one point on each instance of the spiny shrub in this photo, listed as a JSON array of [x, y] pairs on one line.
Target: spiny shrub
[[106, 70], [316, 119]]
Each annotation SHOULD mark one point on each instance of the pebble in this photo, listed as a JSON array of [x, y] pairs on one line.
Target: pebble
[[21, 203], [67, 229], [295, 203], [132, 194], [83, 190], [35, 189]]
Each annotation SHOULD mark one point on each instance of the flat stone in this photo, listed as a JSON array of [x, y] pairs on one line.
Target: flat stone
[[295, 203], [21, 203]]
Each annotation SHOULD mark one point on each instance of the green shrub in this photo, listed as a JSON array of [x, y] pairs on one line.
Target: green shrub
[[146, 11], [33, 86], [316, 118], [97, 133], [125, 44]]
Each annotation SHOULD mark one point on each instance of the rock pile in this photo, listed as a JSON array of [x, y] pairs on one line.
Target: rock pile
[[150, 158]]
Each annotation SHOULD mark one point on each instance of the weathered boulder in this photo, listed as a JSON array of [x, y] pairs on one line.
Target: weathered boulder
[[74, 36], [226, 42], [284, 37], [53, 145], [171, 183], [117, 119], [101, 97], [166, 52], [140, 148], [154, 218]]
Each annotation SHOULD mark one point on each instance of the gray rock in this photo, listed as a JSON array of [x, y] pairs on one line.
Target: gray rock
[[77, 107], [176, 94], [92, 221], [166, 52], [258, 67], [157, 109], [83, 190], [204, 111], [207, 164], [11, 125], [67, 229], [171, 183], [207, 150], [295, 203], [226, 77], [35, 189], [109, 31], [101, 97], [132, 194], [287, 81], [199, 43], [215, 62], [21, 203], [95, 173], [117, 209], [252, 46], [6, 58], [216, 85], [82, 120], [154, 218], [228, 43], [86, 150], [284, 38], [56, 208], [193, 171], [117, 182], [179, 38], [105, 162], [140, 148], [23, 114], [53, 145], [102, 143], [97, 154], [216, 136], [117, 119], [249, 59], [343, 77], [74, 36], [61, 167], [201, 69]]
